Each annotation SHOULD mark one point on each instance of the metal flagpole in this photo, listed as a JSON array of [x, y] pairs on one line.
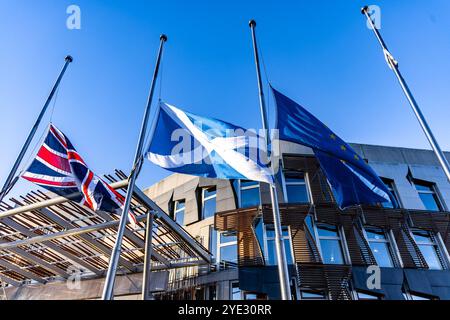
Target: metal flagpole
[[393, 64], [108, 290], [148, 258], [279, 243], [10, 178]]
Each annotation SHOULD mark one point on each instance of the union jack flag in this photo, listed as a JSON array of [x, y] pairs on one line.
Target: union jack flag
[[59, 168]]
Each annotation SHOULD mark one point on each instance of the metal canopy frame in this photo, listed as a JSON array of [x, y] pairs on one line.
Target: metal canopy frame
[[45, 238]]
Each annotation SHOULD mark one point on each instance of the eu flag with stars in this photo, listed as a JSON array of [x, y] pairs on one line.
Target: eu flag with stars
[[353, 181]]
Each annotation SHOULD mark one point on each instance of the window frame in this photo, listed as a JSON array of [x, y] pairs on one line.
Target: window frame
[[204, 199], [340, 237], [390, 184], [305, 183], [176, 211], [434, 192], [388, 240], [240, 188], [225, 244], [441, 255], [266, 246]]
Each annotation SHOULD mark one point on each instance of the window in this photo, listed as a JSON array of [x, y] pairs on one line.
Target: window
[[179, 212], [213, 242], [249, 194], [307, 294], [381, 248], [208, 202], [235, 291], [227, 248], [330, 244], [428, 195], [391, 187], [296, 188], [271, 255], [429, 249], [366, 296]]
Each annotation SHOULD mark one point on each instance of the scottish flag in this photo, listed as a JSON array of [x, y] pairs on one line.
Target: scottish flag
[[186, 143], [354, 182]]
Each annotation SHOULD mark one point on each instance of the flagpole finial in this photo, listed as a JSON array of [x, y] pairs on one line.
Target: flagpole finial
[[69, 58], [163, 37], [365, 9], [252, 23]]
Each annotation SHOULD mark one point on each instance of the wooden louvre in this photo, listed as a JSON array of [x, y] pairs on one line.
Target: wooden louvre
[[333, 279]]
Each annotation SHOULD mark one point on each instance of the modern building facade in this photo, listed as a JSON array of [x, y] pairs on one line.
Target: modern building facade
[[370, 252], [331, 253]]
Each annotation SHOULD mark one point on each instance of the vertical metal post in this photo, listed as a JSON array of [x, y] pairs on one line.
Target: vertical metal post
[[108, 290], [30, 137], [283, 271], [148, 258], [393, 64]]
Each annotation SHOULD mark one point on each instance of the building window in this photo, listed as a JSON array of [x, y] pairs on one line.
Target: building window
[[330, 244], [179, 212], [366, 296], [249, 194], [296, 190], [428, 195], [306, 294], [391, 187], [271, 255], [236, 293], [227, 249], [429, 248], [213, 242], [208, 202], [381, 247]]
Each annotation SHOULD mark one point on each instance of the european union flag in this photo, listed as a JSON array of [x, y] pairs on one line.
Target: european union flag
[[354, 182]]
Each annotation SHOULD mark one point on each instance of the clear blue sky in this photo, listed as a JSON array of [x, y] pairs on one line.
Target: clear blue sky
[[320, 53]]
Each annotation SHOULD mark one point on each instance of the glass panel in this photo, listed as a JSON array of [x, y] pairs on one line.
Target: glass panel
[[272, 254], [229, 254], [327, 231], [375, 235], [418, 298], [382, 255], [209, 192], [213, 242], [270, 232], [331, 252], [179, 205], [226, 237], [209, 208], [250, 198], [293, 178], [297, 193], [430, 202], [179, 217], [251, 296], [365, 296], [310, 295], [422, 187], [387, 205], [431, 257], [235, 291], [422, 237], [245, 183]]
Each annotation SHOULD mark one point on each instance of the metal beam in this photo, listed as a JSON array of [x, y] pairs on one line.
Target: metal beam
[[10, 281], [160, 214], [42, 263], [17, 269], [13, 224], [133, 238], [101, 247]]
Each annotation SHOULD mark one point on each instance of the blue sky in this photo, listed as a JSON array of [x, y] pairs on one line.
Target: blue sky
[[319, 53]]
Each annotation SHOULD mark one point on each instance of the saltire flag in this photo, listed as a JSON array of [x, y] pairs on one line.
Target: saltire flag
[[190, 144], [59, 168], [353, 181]]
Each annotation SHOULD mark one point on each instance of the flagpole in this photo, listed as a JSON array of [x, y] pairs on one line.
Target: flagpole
[[32, 133], [283, 271], [393, 64], [108, 290]]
